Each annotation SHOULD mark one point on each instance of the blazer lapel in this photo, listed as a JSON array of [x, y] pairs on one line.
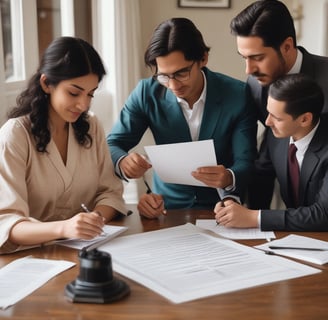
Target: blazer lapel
[[282, 160], [311, 159], [174, 112], [212, 110]]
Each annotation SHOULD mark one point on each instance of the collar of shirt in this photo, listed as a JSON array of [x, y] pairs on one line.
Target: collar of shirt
[[194, 115], [303, 144], [296, 68]]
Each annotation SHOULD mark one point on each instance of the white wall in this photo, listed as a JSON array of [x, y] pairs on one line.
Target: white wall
[[314, 26], [214, 25]]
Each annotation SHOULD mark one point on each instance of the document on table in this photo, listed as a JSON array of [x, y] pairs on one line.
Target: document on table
[[174, 162], [234, 233], [184, 263], [23, 276], [304, 248], [109, 232]]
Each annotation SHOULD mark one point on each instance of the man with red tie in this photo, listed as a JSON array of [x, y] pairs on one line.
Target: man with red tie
[[294, 108], [266, 40]]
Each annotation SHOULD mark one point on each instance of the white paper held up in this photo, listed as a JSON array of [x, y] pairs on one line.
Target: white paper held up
[[174, 162]]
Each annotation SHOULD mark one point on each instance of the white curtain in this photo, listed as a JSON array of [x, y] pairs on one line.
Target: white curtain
[[117, 37]]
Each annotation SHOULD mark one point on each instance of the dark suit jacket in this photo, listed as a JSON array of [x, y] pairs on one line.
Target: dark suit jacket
[[314, 66], [228, 119], [312, 214]]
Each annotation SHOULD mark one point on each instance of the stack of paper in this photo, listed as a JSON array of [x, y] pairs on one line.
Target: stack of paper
[[184, 263]]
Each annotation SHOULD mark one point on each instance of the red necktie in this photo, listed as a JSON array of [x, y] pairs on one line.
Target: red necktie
[[294, 172]]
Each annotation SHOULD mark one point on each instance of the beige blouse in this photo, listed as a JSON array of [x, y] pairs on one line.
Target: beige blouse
[[40, 186]]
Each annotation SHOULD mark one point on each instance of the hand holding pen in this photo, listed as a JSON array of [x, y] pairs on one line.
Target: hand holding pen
[[82, 226], [85, 208], [151, 205], [222, 205]]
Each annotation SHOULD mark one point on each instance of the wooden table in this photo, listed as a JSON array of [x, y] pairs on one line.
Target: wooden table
[[301, 298]]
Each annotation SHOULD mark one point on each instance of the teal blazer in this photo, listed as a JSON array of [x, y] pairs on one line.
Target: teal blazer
[[229, 119]]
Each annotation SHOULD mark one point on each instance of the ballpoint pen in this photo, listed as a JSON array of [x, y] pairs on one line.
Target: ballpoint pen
[[222, 204], [297, 248], [85, 208], [148, 187], [150, 191]]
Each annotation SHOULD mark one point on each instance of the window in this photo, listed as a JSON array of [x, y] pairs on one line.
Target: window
[[12, 40], [26, 29]]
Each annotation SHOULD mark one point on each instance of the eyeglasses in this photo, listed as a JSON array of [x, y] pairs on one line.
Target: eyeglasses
[[180, 75]]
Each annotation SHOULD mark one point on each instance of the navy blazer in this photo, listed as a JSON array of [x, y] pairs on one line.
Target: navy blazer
[[314, 66], [228, 119], [312, 214]]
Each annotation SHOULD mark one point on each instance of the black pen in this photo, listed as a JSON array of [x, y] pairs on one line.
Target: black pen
[[148, 187], [297, 248], [222, 204], [150, 191]]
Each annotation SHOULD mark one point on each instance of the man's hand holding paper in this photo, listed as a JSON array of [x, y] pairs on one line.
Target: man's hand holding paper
[[214, 176], [174, 163]]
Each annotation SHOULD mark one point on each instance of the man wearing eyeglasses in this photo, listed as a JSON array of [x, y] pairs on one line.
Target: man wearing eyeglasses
[[184, 101]]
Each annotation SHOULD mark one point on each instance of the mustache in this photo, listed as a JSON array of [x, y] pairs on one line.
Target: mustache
[[258, 74]]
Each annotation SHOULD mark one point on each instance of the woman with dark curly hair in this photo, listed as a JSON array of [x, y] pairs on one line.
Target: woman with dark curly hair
[[54, 154]]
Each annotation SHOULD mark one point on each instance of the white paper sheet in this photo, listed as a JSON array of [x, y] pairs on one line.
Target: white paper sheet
[[234, 233], [183, 263], [293, 240], [22, 276], [175, 162], [109, 232]]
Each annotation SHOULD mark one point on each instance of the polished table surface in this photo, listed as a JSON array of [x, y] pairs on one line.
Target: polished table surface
[[301, 298]]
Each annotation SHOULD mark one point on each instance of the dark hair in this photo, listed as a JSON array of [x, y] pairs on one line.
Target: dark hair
[[65, 58], [268, 19], [301, 94], [176, 34]]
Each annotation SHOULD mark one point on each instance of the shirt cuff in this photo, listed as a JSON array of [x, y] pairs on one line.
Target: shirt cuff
[[118, 170], [232, 187]]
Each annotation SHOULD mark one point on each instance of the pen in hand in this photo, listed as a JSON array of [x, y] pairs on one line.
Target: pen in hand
[[222, 204], [85, 208], [148, 187], [150, 191]]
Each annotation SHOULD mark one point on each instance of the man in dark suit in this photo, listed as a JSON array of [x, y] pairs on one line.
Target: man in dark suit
[[185, 101], [294, 116], [266, 39]]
